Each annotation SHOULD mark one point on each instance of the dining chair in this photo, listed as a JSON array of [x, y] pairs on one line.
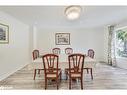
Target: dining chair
[[56, 51], [90, 54], [76, 63], [68, 51], [36, 55], [51, 70]]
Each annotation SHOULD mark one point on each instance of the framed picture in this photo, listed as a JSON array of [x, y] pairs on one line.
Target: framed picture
[[4, 33], [62, 38]]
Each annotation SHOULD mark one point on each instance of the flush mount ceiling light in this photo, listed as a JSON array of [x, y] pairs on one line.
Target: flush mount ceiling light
[[73, 12]]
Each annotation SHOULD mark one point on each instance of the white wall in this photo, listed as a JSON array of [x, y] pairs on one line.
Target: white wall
[[81, 40], [14, 55]]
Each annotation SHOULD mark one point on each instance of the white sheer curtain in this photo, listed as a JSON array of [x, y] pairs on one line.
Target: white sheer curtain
[[111, 46]]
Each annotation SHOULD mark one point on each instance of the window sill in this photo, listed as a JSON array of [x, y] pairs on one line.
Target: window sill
[[123, 58]]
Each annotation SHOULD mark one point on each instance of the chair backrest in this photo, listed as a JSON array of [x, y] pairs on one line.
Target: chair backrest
[[56, 51], [91, 53], [76, 63], [35, 54], [68, 51], [50, 62]]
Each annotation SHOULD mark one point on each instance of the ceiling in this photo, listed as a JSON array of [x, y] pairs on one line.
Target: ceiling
[[53, 16]]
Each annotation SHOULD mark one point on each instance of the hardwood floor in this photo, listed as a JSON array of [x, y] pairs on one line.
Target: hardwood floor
[[105, 77]]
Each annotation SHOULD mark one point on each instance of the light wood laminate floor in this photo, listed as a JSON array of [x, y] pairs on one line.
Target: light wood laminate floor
[[105, 77]]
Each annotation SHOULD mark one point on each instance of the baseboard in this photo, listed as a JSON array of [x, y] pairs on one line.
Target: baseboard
[[7, 74]]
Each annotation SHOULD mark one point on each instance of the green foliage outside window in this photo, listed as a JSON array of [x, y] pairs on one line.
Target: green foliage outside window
[[121, 43]]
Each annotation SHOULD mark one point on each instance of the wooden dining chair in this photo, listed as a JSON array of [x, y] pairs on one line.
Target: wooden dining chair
[[90, 54], [68, 51], [76, 64], [51, 70], [56, 51], [36, 55]]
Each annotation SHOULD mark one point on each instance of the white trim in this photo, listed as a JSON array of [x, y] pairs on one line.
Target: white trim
[[124, 58]]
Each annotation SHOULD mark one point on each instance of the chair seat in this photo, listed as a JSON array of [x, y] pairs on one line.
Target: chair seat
[[53, 75], [72, 73], [75, 75], [72, 70]]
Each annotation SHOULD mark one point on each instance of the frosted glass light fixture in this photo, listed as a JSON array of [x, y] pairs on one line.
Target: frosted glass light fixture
[[73, 12]]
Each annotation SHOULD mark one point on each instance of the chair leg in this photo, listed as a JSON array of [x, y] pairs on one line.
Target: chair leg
[[69, 83], [60, 76], [66, 75], [45, 83], [87, 69], [57, 83], [81, 83], [35, 73], [39, 71], [91, 73]]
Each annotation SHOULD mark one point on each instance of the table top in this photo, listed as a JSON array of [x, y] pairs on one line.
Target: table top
[[38, 64], [87, 60]]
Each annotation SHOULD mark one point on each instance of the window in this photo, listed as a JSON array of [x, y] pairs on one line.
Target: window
[[121, 42]]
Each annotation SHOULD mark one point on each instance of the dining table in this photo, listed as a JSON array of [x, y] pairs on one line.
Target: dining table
[[63, 62]]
